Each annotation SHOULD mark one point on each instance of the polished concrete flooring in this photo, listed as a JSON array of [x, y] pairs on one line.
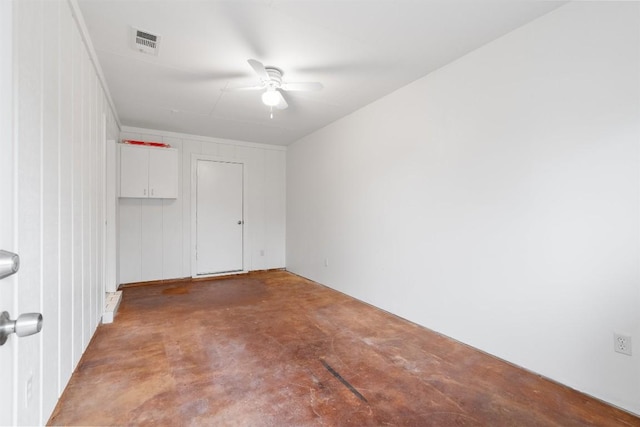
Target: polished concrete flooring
[[273, 349]]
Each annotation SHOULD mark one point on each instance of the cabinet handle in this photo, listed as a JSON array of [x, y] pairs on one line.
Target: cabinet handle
[[144, 191]]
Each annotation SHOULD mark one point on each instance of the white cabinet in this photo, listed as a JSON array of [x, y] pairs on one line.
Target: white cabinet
[[134, 171], [163, 173], [148, 172]]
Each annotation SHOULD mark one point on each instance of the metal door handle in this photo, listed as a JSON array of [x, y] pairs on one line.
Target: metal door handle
[[9, 263], [240, 222], [25, 325]]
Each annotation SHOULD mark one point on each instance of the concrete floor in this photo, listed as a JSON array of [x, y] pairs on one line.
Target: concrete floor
[[273, 349]]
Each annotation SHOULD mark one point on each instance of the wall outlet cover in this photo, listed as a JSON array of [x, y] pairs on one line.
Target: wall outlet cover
[[622, 343]]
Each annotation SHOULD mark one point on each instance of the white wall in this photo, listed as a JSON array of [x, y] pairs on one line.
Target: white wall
[[59, 112], [495, 200], [155, 234]]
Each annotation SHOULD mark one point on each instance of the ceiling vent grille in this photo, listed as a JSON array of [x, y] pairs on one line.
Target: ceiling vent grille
[[146, 42]]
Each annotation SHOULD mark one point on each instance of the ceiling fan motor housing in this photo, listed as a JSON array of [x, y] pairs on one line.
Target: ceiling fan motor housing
[[275, 75]]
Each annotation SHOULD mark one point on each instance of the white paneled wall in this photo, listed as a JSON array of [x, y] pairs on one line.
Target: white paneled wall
[[155, 234], [62, 117]]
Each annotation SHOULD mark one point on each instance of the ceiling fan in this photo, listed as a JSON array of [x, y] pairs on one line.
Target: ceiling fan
[[272, 84]]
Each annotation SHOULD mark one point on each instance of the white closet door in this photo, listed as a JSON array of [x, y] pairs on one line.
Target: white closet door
[[219, 217]]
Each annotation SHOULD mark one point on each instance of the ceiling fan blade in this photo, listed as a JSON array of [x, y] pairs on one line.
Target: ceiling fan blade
[[258, 67], [302, 86], [234, 89], [282, 104]]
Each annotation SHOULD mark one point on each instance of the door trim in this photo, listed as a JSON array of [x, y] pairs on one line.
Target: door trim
[[245, 213], [110, 229]]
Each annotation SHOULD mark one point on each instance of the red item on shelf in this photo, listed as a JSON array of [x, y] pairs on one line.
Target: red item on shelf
[[148, 144]]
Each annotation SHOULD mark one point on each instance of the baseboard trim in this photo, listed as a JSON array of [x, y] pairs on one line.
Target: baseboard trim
[[195, 279], [154, 282]]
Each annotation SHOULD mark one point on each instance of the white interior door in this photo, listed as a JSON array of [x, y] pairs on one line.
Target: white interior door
[[219, 217]]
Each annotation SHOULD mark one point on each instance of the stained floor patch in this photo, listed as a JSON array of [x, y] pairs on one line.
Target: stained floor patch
[[351, 388]]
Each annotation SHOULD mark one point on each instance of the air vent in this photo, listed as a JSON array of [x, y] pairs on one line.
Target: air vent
[[146, 42]]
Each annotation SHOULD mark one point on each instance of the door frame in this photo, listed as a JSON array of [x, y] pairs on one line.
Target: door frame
[[245, 209], [110, 207]]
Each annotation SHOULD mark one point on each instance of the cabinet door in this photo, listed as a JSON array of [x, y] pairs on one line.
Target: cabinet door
[[163, 173], [134, 171]]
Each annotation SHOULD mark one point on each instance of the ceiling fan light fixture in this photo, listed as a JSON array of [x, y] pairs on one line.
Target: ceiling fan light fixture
[[271, 98]]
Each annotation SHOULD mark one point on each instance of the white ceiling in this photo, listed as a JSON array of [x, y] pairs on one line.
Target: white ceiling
[[359, 50]]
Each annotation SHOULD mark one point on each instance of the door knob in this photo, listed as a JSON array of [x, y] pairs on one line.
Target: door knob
[[25, 325], [240, 222], [9, 263]]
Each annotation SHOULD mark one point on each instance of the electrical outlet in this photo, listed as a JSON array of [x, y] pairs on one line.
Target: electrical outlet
[[622, 344]]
